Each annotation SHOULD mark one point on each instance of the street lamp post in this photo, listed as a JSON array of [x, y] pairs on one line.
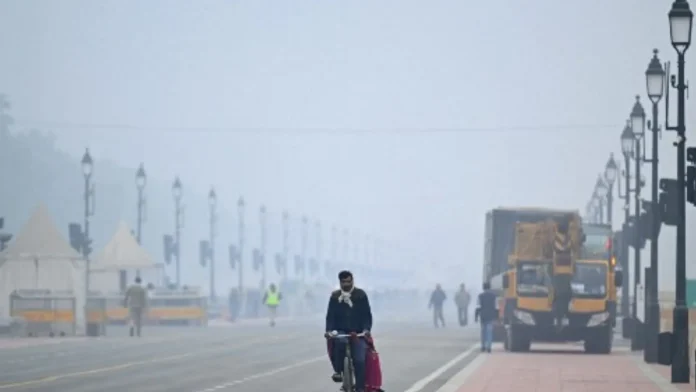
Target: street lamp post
[[346, 246], [637, 119], [286, 244], [654, 81], [140, 182], [601, 192], [240, 283], [356, 248], [610, 172], [178, 223], [262, 222], [368, 241], [212, 203], [87, 170], [680, 26], [598, 205], [305, 228], [334, 249], [317, 257], [627, 148]]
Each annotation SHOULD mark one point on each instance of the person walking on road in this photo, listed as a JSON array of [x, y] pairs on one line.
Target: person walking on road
[[462, 300], [486, 314], [272, 299], [437, 298], [136, 301]]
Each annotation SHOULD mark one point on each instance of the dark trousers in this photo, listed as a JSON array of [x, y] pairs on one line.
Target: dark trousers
[[438, 316], [358, 349], [463, 313]]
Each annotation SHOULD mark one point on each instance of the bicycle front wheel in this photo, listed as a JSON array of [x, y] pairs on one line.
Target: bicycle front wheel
[[348, 375]]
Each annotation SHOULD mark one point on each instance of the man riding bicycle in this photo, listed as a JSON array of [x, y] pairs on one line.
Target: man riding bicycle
[[348, 313]]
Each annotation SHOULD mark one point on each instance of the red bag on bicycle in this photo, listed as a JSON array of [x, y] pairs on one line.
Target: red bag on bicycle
[[373, 368]]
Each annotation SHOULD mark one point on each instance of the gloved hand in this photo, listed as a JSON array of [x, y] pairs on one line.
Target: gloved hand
[[367, 333]]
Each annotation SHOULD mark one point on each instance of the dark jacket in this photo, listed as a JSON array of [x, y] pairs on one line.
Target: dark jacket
[[487, 309], [437, 298], [341, 317]]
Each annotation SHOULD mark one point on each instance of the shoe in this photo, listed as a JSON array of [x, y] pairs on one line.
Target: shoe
[[337, 377], [488, 350]]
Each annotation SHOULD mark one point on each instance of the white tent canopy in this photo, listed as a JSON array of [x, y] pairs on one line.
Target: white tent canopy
[[40, 258], [39, 239], [122, 253]]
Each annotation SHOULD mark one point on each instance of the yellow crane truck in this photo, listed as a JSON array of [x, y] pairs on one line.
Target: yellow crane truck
[[552, 288]]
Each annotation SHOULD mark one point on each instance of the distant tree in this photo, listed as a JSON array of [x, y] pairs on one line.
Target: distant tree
[[5, 119], [33, 171]]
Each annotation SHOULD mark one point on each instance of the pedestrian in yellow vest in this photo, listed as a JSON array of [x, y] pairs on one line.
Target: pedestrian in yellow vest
[[272, 299]]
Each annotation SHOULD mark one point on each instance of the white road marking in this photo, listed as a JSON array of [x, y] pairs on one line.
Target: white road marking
[[264, 374], [456, 382], [420, 384]]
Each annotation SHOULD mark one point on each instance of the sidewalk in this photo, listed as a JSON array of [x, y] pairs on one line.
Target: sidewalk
[[558, 368], [665, 372]]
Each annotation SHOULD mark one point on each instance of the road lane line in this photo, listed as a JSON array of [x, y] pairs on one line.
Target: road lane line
[[93, 371], [127, 365], [421, 384], [264, 374]]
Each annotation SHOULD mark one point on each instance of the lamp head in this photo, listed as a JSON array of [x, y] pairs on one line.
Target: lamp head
[[177, 188], [655, 78], [140, 177], [680, 25], [87, 163]]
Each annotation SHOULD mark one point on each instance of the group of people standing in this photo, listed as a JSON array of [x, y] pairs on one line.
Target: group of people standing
[[462, 299], [486, 310]]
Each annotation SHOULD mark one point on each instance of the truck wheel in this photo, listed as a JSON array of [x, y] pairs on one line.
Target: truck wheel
[[517, 339], [600, 341]]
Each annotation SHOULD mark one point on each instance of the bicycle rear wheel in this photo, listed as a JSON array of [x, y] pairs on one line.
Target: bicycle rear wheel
[[348, 375]]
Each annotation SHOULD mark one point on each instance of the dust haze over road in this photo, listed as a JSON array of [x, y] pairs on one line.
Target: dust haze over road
[[391, 118], [362, 135]]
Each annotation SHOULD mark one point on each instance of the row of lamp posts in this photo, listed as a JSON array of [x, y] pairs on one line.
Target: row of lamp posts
[[207, 255], [666, 206]]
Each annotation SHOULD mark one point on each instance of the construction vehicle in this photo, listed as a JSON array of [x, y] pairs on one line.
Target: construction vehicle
[[553, 288]]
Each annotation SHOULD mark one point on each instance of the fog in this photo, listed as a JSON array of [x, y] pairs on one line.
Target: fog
[[399, 119]]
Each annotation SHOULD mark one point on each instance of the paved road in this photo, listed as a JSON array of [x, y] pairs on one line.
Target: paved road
[[244, 358]]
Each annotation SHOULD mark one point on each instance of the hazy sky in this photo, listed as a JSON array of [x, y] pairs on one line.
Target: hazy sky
[[406, 119]]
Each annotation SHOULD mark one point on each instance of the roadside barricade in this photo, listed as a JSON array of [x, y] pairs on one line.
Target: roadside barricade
[[178, 307], [166, 307], [45, 312], [97, 319]]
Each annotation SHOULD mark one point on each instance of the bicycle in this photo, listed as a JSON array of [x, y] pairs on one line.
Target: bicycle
[[348, 384]]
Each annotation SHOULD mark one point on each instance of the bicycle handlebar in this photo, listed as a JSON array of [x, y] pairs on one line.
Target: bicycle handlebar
[[347, 335]]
